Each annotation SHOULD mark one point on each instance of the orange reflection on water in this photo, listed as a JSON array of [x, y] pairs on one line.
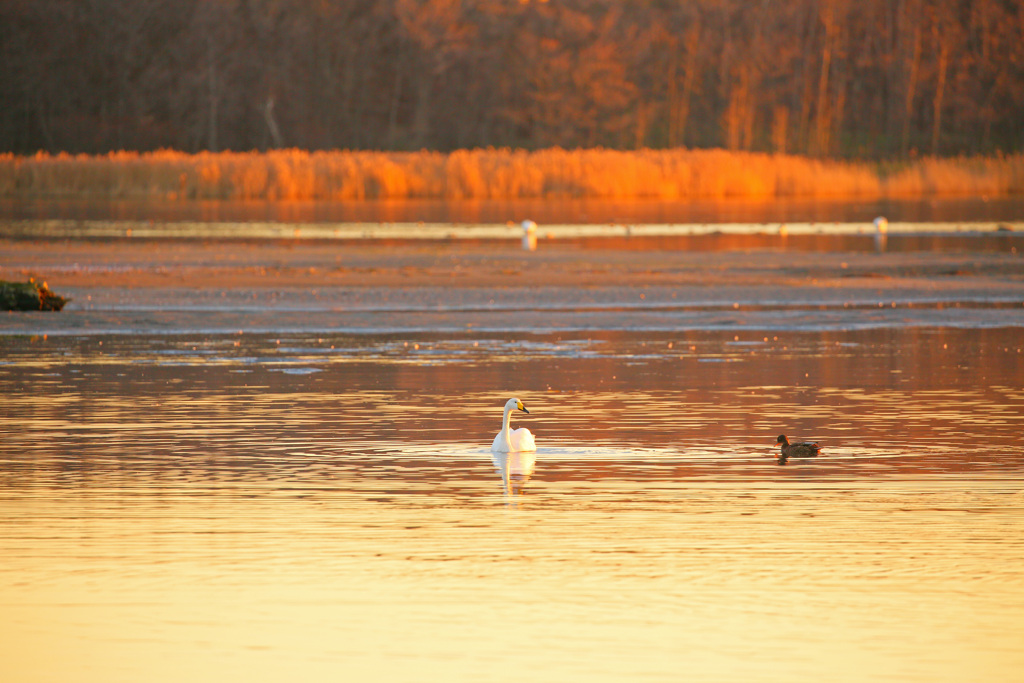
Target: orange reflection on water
[[168, 515]]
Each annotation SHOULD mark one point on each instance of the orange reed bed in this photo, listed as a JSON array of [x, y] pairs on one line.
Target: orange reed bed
[[496, 174]]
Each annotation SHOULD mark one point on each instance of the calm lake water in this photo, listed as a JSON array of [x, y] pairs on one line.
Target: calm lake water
[[322, 505], [571, 211]]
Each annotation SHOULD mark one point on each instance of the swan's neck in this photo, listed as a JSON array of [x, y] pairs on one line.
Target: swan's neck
[[505, 420], [505, 436]]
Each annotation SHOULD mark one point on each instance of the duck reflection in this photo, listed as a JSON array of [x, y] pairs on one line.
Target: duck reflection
[[515, 469]]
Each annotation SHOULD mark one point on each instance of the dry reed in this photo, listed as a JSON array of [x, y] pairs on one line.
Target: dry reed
[[496, 174]]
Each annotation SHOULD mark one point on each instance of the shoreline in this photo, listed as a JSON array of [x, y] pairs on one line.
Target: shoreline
[[415, 231], [467, 264]]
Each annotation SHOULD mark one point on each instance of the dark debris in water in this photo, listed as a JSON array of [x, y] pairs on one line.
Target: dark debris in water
[[29, 296]]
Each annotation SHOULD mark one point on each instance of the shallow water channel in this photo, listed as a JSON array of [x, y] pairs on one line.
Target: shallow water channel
[[323, 505]]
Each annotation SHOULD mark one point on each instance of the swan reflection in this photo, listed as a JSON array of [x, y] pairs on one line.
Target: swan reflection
[[515, 469]]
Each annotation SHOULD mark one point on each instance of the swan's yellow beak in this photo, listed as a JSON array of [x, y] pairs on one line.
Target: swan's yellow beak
[[519, 404]]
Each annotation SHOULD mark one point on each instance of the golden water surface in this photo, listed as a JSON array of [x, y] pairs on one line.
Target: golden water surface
[[301, 507]]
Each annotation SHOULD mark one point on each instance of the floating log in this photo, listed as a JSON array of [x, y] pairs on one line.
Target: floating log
[[29, 296]]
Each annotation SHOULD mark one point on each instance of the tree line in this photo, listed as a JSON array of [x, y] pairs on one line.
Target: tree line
[[831, 78]]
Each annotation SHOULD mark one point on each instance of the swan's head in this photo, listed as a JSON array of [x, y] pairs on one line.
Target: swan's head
[[516, 404]]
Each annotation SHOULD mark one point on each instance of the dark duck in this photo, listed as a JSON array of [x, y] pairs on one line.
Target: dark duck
[[802, 449]]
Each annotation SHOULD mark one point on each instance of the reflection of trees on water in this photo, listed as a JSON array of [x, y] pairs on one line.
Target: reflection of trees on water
[[711, 394], [712, 388]]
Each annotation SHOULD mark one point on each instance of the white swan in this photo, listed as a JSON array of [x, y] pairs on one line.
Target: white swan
[[519, 440], [529, 235], [881, 233]]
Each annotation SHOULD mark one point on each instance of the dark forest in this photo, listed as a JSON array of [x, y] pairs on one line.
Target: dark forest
[[865, 79]]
